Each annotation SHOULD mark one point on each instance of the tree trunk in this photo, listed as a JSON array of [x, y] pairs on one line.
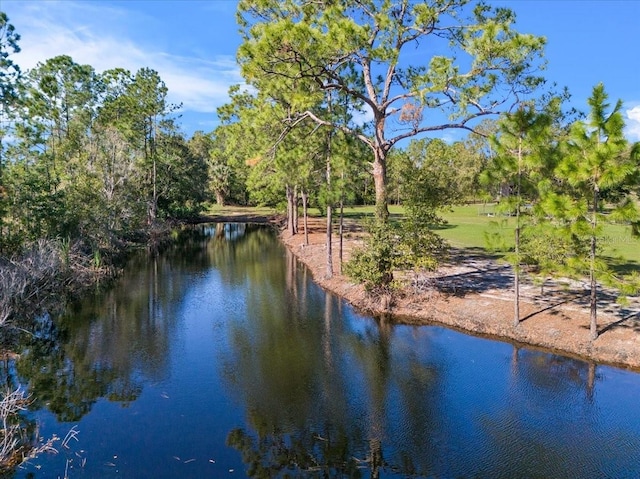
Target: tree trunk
[[286, 194], [516, 282], [593, 303], [153, 207], [592, 270], [516, 266], [380, 183], [329, 248], [295, 209], [305, 203], [341, 230], [219, 198], [291, 227], [329, 273]]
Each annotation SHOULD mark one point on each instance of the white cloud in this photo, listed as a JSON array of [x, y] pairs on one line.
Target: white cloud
[[362, 117], [451, 137], [633, 123], [101, 36], [200, 85]]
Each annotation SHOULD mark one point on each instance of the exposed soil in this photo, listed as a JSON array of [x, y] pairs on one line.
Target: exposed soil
[[474, 293]]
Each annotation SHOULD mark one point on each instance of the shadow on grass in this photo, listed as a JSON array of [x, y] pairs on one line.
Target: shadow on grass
[[622, 266], [354, 215], [444, 226]]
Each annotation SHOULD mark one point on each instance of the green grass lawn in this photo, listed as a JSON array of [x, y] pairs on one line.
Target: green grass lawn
[[468, 226], [214, 210]]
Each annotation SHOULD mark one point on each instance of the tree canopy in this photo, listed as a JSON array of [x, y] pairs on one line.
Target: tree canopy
[[374, 53]]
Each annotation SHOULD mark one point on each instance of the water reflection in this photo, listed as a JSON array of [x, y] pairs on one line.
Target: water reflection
[[107, 345], [228, 357]]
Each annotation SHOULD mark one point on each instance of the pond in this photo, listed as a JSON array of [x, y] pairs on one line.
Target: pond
[[220, 357]]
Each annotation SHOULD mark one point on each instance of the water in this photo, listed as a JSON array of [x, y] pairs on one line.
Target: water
[[221, 358]]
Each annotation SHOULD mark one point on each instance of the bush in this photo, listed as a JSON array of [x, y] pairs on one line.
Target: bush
[[372, 264]]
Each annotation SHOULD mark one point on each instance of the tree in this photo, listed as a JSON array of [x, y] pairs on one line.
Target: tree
[[57, 109], [112, 162], [9, 77], [150, 92], [239, 121], [439, 164], [94, 156], [398, 165], [524, 157], [220, 175], [478, 63], [456, 167], [426, 194], [254, 175], [9, 74], [203, 147], [181, 176], [480, 144], [597, 163], [281, 162]]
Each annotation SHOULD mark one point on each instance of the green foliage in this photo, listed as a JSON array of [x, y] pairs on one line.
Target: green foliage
[[495, 237], [408, 245], [9, 70], [298, 53], [545, 246], [95, 157], [454, 168], [372, 264], [9, 86], [181, 177], [419, 247], [596, 163], [412, 243], [428, 187]]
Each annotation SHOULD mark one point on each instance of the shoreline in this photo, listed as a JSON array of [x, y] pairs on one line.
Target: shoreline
[[556, 322]]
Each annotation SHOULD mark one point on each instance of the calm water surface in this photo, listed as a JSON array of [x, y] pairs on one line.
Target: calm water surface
[[221, 358]]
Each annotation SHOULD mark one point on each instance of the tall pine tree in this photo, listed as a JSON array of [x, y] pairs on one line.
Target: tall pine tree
[[596, 165]]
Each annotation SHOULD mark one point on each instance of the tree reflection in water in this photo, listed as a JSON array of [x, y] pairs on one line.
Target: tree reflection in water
[[322, 398], [329, 396], [102, 346]]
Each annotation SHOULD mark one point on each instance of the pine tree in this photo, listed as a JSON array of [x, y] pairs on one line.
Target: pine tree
[[596, 166], [523, 156]]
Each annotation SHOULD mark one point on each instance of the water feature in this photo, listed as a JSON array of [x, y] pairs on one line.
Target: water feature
[[219, 357]]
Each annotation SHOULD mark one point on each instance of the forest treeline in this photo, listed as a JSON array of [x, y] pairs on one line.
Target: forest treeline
[[379, 74], [90, 163]]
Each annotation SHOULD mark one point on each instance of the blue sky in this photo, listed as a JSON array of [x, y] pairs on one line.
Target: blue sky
[[192, 44]]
